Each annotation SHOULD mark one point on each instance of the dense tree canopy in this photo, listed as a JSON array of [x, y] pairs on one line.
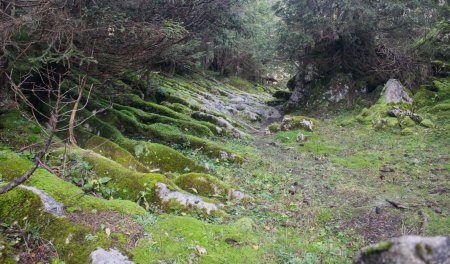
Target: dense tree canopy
[[361, 37]]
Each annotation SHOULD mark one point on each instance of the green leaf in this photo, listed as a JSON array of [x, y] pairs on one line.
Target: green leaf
[[105, 180]]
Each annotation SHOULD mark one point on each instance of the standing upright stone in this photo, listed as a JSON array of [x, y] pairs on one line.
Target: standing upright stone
[[395, 92]]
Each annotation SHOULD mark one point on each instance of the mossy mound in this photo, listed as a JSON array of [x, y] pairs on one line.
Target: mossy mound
[[151, 155], [274, 128], [408, 131], [427, 123], [113, 151], [203, 184], [72, 240], [13, 166], [129, 185], [190, 127], [17, 132], [26, 209], [165, 134], [298, 122], [406, 121]]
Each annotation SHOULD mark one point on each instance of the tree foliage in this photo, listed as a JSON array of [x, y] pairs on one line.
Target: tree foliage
[[361, 37]]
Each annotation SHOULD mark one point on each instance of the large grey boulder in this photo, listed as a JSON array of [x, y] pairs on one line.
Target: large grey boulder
[[407, 250], [112, 256], [395, 92]]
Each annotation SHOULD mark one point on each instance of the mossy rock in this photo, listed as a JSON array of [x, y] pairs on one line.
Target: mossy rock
[[180, 108], [427, 123], [170, 135], [202, 184], [406, 121], [114, 152], [25, 208], [408, 131], [151, 155], [13, 166], [190, 127], [157, 156], [137, 102], [129, 184], [274, 128], [298, 122]]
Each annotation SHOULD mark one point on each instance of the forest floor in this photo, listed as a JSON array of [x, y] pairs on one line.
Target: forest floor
[[314, 201], [343, 189]]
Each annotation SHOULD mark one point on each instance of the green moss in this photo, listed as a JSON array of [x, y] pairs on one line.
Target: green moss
[[190, 127], [16, 131], [180, 108], [441, 107], [137, 102], [113, 151], [174, 239], [359, 161], [151, 155], [13, 166], [202, 184], [26, 208], [408, 131], [129, 183], [427, 123], [406, 121], [241, 84], [157, 156], [380, 247], [275, 127]]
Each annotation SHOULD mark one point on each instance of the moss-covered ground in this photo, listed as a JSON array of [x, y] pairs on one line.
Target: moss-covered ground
[[315, 201]]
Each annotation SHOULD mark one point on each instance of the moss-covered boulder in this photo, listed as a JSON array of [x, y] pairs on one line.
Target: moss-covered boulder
[[407, 249], [128, 184], [71, 236], [208, 186], [274, 128], [170, 199], [13, 166], [427, 123], [406, 121], [153, 156], [298, 122], [408, 131], [114, 152], [202, 184]]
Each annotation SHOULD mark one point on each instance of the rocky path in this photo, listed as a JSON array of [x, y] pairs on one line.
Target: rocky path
[[345, 187]]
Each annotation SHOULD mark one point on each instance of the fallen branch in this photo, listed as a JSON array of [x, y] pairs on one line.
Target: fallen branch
[[397, 205]]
